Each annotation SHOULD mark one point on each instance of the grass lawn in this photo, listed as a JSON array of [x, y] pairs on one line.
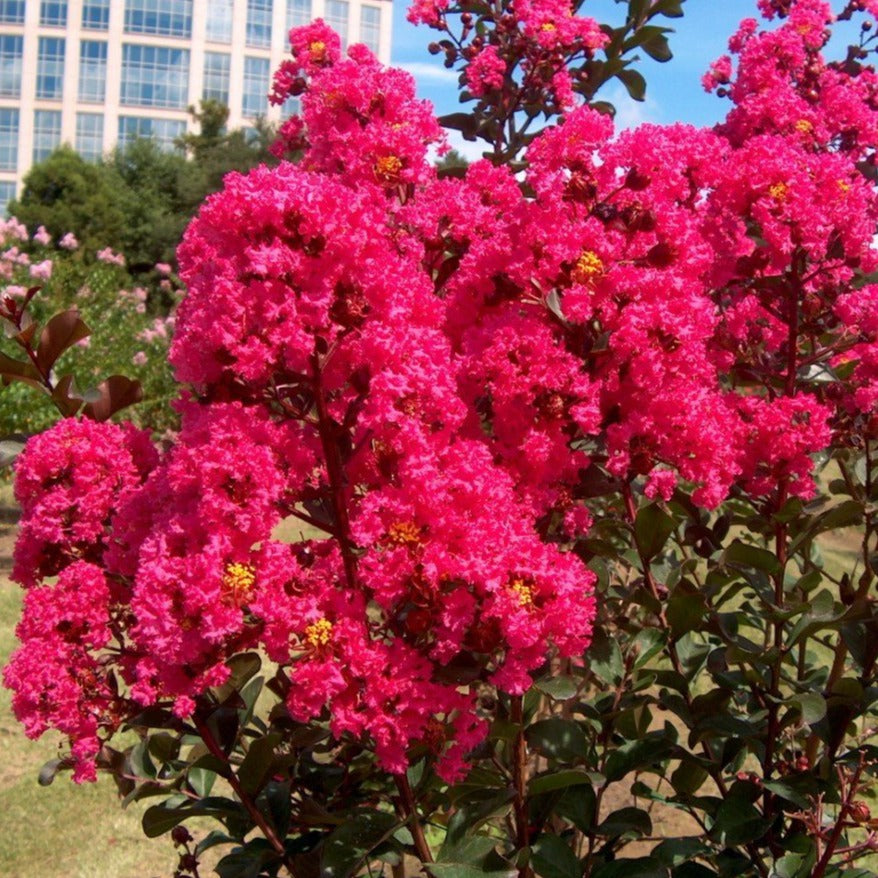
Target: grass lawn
[[65, 830]]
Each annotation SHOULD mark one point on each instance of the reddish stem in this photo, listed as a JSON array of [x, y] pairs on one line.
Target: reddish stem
[[255, 814]]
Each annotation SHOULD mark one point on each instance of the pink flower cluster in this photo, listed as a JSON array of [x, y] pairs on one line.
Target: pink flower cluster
[[423, 370], [517, 53]]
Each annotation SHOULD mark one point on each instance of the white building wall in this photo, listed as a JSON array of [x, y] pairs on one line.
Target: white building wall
[[115, 36]]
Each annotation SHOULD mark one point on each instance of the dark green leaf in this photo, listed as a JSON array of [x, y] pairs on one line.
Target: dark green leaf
[[472, 857], [477, 807], [349, 845], [559, 688], [50, 769], [605, 658], [688, 777], [685, 612], [161, 818], [638, 755], [247, 861], [257, 763], [558, 738], [634, 83], [652, 528], [738, 822], [812, 706], [742, 554], [629, 822], [674, 851], [639, 867], [552, 857], [556, 780]]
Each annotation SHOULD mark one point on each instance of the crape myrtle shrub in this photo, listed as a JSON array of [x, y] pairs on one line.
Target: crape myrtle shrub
[[70, 311], [565, 434]]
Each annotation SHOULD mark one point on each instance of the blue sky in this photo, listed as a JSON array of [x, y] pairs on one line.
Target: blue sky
[[674, 92]]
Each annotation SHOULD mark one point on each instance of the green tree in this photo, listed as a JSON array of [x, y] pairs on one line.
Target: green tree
[[65, 193], [139, 198]]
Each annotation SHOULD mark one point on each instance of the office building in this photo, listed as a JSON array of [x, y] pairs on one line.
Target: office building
[[96, 73]]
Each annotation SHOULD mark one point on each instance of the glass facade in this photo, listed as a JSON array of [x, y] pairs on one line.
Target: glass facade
[[163, 131], [219, 21], [53, 13], [12, 11], [298, 13], [50, 68], [47, 133], [217, 66], [9, 122], [11, 53], [337, 15], [154, 76], [370, 27], [259, 23], [7, 193], [92, 71], [167, 18], [290, 107], [90, 135], [256, 72], [96, 14]]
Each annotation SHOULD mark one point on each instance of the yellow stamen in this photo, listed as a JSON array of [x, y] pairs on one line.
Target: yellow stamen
[[588, 268], [843, 185], [778, 191], [238, 581], [317, 50], [803, 126], [404, 533], [319, 633], [387, 169], [547, 26], [523, 591]]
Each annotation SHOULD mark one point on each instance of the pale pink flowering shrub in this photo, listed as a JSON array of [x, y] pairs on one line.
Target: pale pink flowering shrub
[[41, 270], [69, 242], [110, 257]]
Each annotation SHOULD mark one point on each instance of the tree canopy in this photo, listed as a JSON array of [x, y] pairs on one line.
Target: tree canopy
[[138, 198]]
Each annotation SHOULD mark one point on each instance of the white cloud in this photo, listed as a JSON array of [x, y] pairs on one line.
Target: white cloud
[[422, 70], [630, 113], [471, 151]]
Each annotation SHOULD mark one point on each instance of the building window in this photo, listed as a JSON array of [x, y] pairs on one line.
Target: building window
[[259, 23], [167, 18], [96, 14], [337, 18], [11, 53], [53, 13], [9, 119], [50, 68], [163, 131], [47, 133], [7, 193], [219, 21], [90, 135], [154, 76], [92, 71], [298, 13], [370, 27], [290, 107], [255, 86], [12, 11], [216, 77]]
